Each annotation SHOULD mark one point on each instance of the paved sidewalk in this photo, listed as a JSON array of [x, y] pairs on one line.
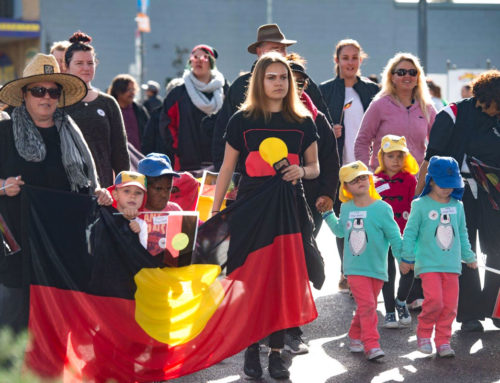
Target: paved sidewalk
[[477, 355]]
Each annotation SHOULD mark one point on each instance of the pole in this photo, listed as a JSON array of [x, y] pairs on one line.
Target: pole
[[141, 67], [422, 33], [269, 12]]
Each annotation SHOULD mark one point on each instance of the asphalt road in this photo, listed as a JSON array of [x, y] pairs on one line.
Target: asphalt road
[[477, 354]]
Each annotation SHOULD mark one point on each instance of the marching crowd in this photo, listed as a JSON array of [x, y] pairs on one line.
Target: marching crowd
[[390, 167]]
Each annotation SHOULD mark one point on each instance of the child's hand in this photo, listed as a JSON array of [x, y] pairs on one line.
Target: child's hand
[[405, 267], [130, 213], [472, 265], [134, 226]]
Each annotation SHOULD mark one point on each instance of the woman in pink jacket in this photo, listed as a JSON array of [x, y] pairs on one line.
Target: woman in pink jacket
[[403, 107]]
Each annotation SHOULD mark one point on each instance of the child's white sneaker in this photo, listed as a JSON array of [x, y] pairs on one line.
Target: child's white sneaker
[[355, 345], [424, 345], [445, 351], [375, 353]]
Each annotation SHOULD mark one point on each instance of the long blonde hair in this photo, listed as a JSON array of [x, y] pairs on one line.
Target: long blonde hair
[[421, 90], [255, 104]]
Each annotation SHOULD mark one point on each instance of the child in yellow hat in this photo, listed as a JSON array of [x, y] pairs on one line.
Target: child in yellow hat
[[368, 225], [395, 182]]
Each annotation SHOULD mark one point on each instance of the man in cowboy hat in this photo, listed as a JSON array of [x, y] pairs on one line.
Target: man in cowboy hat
[[39, 146], [269, 39]]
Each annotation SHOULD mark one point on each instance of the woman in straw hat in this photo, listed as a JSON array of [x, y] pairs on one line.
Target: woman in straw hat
[[40, 145]]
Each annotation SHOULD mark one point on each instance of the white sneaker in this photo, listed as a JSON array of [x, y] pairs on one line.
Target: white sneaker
[[424, 345], [355, 345], [445, 351], [375, 353]]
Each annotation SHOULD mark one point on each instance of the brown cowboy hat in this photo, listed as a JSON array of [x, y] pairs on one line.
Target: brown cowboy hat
[[44, 68], [271, 33]]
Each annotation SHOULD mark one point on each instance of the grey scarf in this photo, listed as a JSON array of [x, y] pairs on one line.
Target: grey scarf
[[195, 89], [76, 157]]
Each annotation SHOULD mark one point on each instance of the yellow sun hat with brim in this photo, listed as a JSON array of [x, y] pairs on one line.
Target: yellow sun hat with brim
[[392, 143], [351, 171], [44, 68]]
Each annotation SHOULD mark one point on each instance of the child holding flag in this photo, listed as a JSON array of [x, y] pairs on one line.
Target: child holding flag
[[436, 240], [129, 194], [369, 227], [159, 175], [395, 182]]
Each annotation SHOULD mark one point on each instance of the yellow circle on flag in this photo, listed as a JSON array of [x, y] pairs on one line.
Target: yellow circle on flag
[[272, 150], [180, 241]]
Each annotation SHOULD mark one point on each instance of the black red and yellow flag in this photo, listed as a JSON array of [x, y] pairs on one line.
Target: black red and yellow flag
[[101, 307]]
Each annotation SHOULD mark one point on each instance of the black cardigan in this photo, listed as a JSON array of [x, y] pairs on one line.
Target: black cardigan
[[333, 92]]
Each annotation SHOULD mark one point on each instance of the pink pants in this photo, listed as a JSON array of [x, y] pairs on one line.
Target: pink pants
[[365, 291], [440, 306]]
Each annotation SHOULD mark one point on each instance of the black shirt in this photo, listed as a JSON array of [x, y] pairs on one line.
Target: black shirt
[[246, 135]]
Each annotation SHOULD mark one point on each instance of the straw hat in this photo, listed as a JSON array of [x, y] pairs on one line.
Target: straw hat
[[271, 33], [41, 69]]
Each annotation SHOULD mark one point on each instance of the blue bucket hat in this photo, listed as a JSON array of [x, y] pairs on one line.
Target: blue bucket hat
[[156, 165], [446, 174]]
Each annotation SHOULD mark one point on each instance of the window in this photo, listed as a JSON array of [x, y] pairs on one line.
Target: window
[[7, 9]]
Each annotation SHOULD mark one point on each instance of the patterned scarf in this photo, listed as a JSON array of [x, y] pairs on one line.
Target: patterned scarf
[[76, 157], [195, 89]]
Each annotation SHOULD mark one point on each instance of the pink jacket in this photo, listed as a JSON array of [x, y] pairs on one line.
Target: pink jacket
[[387, 116]]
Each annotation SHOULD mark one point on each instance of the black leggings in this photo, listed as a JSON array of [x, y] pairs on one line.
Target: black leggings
[[276, 340], [405, 283]]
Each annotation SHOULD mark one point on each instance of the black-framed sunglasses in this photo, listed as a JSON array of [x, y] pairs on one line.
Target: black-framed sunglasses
[[402, 72], [40, 91], [301, 83], [361, 178]]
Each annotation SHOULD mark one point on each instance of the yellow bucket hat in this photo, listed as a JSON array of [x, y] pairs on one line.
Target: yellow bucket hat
[[392, 143], [351, 171]]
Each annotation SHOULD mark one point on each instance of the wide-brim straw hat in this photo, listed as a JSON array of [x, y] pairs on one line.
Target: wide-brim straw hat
[[44, 68], [271, 33]]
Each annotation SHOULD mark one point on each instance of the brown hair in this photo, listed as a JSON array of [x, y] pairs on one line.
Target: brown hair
[[293, 109], [341, 45], [486, 88], [120, 84], [79, 42]]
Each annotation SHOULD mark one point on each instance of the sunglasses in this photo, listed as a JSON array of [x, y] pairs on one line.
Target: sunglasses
[[402, 72], [300, 84], [201, 58], [364, 177], [40, 91]]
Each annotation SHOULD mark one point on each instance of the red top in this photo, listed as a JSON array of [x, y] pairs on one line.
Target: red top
[[398, 192]]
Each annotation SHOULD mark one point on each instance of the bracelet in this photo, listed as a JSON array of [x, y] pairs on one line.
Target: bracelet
[[215, 211], [3, 187], [304, 170]]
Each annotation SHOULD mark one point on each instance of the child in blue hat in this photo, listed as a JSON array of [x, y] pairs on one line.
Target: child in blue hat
[[159, 174], [435, 241]]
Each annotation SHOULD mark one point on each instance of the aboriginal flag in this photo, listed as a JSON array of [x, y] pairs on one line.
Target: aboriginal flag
[[101, 307]]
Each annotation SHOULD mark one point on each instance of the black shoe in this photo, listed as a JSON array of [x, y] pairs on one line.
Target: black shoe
[[252, 367], [496, 322], [277, 368], [472, 326]]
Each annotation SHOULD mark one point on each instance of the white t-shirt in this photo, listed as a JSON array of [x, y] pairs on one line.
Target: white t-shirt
[[352, 122]]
